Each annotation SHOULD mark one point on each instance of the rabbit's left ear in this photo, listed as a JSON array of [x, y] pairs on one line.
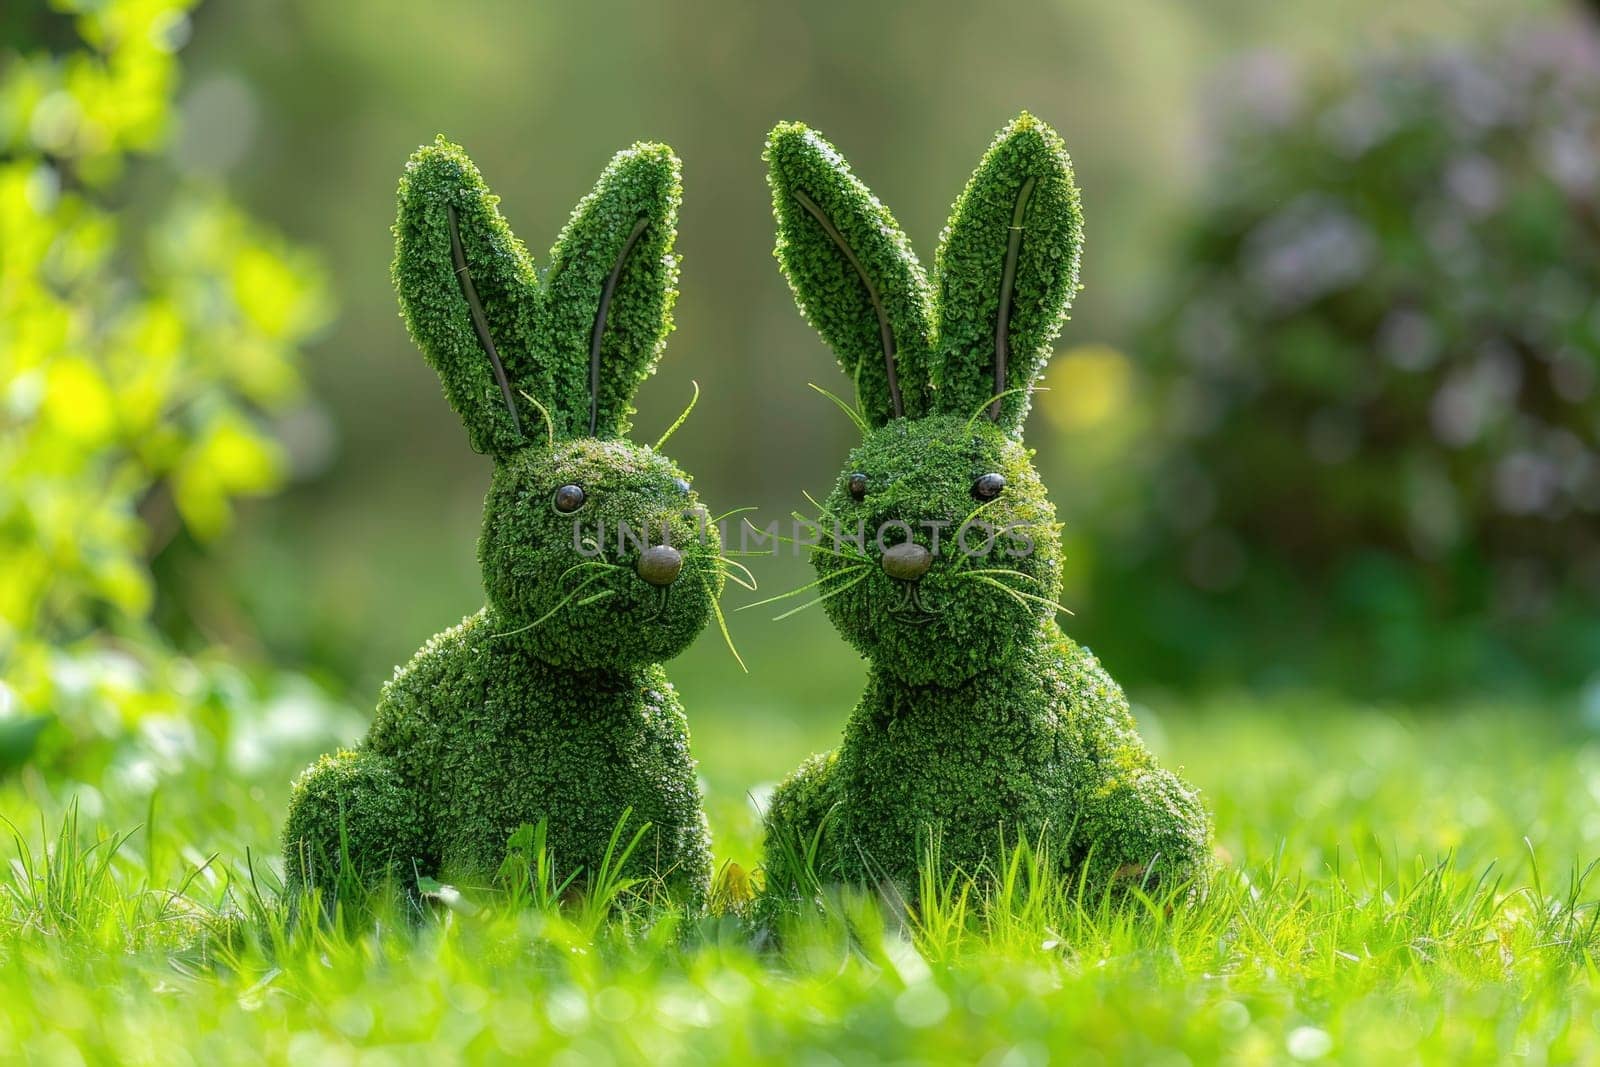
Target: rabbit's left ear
[[612, 282], [1007, 270]]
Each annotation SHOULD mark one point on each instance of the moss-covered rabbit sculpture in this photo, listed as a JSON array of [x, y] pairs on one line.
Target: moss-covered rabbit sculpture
[[550, 702], [980, 717]]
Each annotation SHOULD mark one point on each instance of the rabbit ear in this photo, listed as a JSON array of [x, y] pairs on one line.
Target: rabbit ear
[[469, 295], [852, 271], [612, 282], [1007, 270]]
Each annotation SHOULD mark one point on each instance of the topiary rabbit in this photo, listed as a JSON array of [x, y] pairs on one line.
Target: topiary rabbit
[[550, 702], [941, 557]]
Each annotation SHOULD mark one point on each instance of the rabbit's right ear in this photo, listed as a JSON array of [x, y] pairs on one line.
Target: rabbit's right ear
[[1008, 269], [853, 273], [611, 285], [470, 297]]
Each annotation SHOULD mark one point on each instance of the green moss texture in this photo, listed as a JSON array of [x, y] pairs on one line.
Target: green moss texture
[[550, 703], [982, 723]]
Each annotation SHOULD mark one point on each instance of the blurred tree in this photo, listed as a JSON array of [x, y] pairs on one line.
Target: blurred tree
[[1376, 387], [137, 364]]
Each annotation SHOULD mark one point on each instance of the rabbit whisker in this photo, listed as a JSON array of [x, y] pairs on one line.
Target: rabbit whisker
[[563, 603], [730, 576], [854, 415], [589, 542], [835, 591], [722, 622], [809, 585], [680, 420], [549, 425], [824, 511], [1018, 594], [586, 564], [727, 567], [730, 513], [852, 557], [961, 528], [838, 526], [1001, 570], [1001, 396]]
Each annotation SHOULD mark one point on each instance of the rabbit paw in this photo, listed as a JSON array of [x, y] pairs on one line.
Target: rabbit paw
[[797, 854], [1145, 829], [351, 820]]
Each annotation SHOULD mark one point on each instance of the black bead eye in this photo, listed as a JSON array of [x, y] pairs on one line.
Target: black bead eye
[[858, 485], [569, 498], [988, 486], [681, 485]]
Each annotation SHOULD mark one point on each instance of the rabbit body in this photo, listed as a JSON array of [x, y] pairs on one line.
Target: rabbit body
[[963, 772], [550, 704], [982, 724], [474, 738]]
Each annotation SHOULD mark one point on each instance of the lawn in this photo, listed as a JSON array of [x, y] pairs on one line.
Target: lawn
[[1396, 886]]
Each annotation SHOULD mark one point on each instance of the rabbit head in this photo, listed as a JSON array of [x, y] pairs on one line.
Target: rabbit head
[[940, 552], [593, 550]]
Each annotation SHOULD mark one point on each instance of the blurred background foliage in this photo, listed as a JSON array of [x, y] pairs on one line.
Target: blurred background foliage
[[146, 344], [1244, 431], [1373, 447]]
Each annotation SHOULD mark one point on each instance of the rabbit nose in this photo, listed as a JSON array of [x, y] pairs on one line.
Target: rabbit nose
[[908, 561], [659, 564]]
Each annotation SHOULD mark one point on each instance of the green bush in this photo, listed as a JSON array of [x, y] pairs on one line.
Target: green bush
[[140, 365], [1377, 383]]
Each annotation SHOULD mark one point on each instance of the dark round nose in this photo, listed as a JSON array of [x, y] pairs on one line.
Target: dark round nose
[[659, 564], [908, 561]]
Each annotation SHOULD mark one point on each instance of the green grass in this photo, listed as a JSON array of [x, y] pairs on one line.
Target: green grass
[[1397, 887]]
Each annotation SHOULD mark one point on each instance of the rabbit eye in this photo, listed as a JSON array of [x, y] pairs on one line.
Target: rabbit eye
[[858, 485], [988, 486], [569, 498]]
